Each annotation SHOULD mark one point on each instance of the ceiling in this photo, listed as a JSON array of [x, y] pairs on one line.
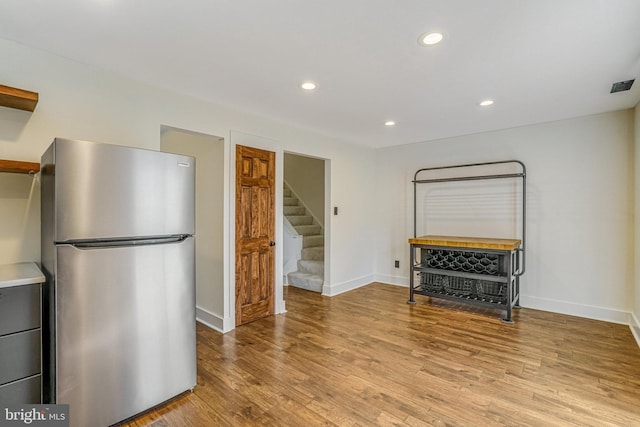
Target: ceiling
[[540, 60]]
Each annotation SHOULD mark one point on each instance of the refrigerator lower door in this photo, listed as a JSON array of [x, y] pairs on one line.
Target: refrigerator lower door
[[125, 329]]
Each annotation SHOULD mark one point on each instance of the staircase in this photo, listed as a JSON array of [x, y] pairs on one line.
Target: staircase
[[310, 273]]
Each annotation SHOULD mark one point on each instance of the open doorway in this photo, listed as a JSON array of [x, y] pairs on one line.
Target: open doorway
[[208, 151], [304, 223]]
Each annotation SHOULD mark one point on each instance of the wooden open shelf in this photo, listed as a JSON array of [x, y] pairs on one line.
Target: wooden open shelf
[[18, 98], [14, 166], [467, 242]]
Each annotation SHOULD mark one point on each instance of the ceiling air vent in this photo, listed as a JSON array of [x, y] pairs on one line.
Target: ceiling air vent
[[622, 86]]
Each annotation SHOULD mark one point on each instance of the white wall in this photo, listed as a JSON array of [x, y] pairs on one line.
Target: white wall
[[209, 154], [19, 217], [82, 102], [305, 176], [580, 208], [635, 315], [580, 180]]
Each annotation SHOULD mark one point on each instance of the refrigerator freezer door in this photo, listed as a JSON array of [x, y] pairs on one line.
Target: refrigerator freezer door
[[109, 191], [125, 329]]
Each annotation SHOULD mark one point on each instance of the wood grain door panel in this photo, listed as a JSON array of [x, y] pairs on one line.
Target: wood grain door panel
[[255, 196], [254, 298]]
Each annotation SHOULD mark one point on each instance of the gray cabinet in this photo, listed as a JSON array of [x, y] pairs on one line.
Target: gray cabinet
[[20, 334]]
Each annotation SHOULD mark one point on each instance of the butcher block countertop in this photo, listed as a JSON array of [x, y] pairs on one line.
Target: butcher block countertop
[[467, 242], [22, 273]]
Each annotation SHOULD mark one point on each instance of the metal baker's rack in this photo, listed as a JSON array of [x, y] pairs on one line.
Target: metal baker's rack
[[435, 271]]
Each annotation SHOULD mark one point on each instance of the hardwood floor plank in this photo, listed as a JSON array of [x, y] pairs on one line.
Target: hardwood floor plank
[[367, 358]]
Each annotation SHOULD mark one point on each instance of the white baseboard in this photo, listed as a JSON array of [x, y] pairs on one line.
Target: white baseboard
[[212, 320], [573, 309], [392, 280], [349, 285], [634, 324], [281, 306], [222, 324]]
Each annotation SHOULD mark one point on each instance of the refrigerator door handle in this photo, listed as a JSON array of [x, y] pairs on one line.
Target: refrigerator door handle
[[128, 242]]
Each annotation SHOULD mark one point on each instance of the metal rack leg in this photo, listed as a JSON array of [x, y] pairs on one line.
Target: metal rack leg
[[508, 318], [510, 288], [411, 274], [411, 297], [411, 300]]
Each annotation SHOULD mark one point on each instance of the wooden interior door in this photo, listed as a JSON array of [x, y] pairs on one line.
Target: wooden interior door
[[255, 204]]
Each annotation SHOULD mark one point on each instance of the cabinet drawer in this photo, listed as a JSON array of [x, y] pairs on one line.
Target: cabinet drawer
[[19, 355], [19, 308], [21, 392]]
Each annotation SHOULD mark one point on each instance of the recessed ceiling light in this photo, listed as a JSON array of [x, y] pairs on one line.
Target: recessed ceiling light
[[486, 102], [389, 123], [428, 39], [308, 86]]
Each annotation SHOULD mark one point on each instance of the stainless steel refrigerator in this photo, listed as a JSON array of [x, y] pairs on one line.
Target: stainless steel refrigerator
[[118, 256]]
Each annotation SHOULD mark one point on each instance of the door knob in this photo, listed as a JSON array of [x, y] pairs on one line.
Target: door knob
[[272, 243]]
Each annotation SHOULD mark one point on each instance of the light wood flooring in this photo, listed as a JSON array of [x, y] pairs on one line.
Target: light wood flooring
[[366, 358]]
